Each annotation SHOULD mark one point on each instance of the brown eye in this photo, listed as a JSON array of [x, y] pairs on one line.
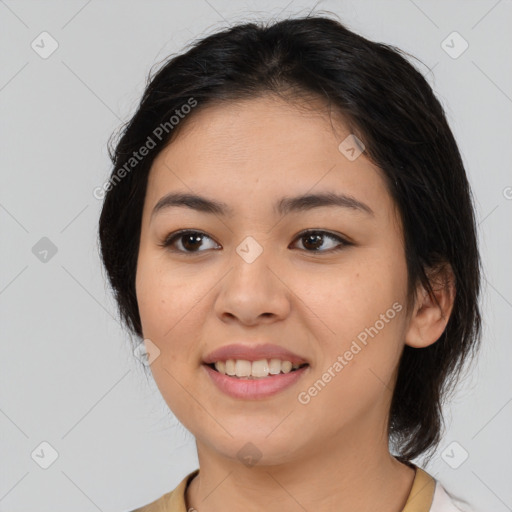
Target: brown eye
[[314, 240], [187, 241]]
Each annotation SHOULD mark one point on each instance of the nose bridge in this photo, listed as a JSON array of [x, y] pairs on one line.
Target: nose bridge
[[252, 261], [252, 289], [250, 250]]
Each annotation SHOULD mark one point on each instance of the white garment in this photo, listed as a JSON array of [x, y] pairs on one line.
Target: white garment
[[443, 502]]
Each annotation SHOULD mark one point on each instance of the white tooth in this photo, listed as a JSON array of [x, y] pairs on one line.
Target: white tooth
[[260, 368], [286, 366], [220, 366], [243, 368], [274, 366], [257, 369], [230, 367]]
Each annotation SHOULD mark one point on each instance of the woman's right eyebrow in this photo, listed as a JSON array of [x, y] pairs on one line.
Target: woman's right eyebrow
[[283, 206]]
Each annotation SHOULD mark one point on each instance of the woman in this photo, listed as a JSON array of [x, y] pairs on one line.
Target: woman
[[290, 229]]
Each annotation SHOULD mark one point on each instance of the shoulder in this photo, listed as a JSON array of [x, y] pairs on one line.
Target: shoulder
[[173, 501], [429, 495], [444, 502], [161, 504]]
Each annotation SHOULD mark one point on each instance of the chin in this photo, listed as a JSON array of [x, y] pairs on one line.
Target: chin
[[257, 447]]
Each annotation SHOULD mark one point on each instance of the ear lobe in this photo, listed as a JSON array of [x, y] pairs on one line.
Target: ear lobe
[[432, 311]]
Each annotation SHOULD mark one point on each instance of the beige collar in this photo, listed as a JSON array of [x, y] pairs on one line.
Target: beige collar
[[419, 500]]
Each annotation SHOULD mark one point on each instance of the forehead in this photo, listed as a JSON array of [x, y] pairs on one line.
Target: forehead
[[260, 127], [263, 148]]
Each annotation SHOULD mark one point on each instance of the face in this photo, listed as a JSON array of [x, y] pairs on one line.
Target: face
[[326, 282]]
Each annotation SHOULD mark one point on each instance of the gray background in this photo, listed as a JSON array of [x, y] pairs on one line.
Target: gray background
[[68, 376]]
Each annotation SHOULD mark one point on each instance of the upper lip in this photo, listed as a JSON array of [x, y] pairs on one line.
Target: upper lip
[[253, 353]]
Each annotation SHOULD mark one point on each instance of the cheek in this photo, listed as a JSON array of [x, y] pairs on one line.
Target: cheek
[[173, 305], [357, 364], [164, 296], [350, 297], [168, 304], [361, 308]]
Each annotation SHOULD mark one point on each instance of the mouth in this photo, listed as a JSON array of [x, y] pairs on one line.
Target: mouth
[[270, 377], [254, 372]]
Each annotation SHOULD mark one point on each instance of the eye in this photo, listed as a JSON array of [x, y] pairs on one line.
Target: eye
[[314, 240], [189, 241]]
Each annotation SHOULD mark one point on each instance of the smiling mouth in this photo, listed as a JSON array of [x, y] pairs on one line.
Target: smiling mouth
[[231, 373]]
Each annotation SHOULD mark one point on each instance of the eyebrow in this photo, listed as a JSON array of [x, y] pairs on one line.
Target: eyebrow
[[283, 206]]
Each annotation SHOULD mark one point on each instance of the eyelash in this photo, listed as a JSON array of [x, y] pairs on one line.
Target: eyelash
[[171, 238]]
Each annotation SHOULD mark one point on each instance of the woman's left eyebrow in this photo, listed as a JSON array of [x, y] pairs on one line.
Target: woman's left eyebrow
[[283, 206]]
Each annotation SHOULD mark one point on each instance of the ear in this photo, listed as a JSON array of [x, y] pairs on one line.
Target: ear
[[431, 313]]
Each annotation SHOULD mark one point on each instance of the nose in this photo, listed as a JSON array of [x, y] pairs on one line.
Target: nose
[[253, 291]]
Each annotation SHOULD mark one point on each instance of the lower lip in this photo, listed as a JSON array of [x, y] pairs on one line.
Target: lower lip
[[253, 389]]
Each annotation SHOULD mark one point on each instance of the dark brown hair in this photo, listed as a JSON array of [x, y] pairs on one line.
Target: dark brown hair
[[390, 106]]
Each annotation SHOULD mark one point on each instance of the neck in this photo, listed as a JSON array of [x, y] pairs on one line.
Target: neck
[[341, 475]]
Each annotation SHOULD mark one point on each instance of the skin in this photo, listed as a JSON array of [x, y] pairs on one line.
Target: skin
[[331, 454]]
